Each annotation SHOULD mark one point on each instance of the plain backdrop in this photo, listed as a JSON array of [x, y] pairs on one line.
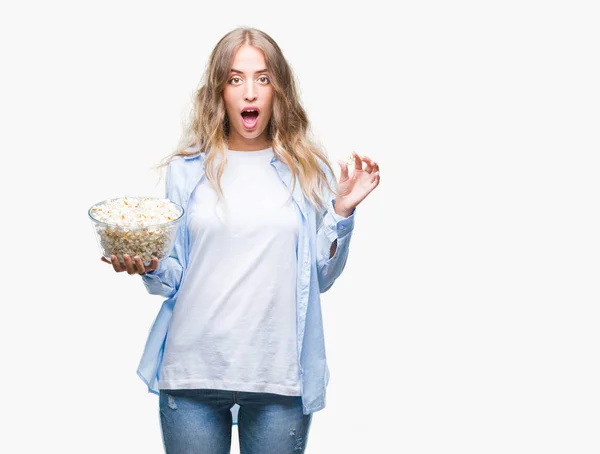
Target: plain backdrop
[[466, 319]]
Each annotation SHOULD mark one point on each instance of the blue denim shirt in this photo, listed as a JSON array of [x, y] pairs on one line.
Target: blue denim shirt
[[316, 273]]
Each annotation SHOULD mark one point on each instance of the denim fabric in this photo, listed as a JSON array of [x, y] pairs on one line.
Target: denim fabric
[[316, 273], [199, 421]]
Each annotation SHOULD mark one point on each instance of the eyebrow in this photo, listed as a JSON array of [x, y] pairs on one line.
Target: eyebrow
[[241, 72]]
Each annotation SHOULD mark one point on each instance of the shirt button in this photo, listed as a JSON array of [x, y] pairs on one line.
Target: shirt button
[[342, 227]]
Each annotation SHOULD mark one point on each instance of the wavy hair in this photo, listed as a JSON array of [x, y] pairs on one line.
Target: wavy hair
[[207, 128]]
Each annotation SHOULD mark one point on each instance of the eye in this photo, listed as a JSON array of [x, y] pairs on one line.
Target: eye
[[266, 79]]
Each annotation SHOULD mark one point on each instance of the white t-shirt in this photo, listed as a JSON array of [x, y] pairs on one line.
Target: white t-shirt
[[234, 322]]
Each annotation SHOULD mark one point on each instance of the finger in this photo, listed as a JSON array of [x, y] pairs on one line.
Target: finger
[[129, 264], [344, 173], [153, 265], [375, 177], [104, 259], [357, 161], [375, 166], [116, 265], [139, 264], [368, 162]]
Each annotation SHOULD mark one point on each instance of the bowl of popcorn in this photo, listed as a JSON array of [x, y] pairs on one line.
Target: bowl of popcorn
[[138, 226]]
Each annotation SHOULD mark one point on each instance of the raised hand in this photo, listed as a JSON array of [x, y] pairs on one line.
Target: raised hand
[[352, 189]]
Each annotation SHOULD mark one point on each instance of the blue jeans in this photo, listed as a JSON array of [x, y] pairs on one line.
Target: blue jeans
[[199, 421]]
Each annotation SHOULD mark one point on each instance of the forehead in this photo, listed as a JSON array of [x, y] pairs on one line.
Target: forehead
[[248, 59]]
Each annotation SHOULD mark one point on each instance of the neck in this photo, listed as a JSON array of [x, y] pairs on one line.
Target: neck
[[238, 143]]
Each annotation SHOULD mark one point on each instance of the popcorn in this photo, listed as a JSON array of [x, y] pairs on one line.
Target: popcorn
[[350, 161], [135, 212], [136, 226]]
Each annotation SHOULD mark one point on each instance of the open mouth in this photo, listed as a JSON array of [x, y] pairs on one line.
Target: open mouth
[[250, 118]]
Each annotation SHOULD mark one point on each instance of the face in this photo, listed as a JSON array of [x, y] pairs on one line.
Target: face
[[248, 85]]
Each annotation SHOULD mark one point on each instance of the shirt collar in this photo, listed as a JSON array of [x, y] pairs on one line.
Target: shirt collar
[[284, 173], [202, 156]]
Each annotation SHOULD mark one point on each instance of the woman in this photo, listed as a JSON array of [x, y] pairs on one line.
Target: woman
[[264, 233]]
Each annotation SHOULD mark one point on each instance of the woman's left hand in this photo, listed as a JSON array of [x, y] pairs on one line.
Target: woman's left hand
[[352, 189]]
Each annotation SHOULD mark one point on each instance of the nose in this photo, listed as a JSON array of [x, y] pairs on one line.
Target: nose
[[250, 93]]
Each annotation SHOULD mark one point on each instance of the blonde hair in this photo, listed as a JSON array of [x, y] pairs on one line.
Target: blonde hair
[[208, 126]]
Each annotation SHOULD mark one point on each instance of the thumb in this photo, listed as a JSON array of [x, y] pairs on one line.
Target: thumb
[[344, 174]]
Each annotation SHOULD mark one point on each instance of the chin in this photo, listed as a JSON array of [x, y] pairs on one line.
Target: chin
[[252, 134]]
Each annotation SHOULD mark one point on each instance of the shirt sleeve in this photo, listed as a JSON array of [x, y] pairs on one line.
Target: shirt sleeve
[[332, 228], [166, 278], [336, 216]]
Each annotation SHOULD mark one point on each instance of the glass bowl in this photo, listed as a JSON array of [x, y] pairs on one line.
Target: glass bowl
[[130, 235]]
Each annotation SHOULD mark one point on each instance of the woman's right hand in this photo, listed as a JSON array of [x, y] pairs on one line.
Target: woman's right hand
[[134, 266]]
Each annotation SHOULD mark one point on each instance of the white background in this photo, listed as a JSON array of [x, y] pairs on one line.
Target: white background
[[466, 319]]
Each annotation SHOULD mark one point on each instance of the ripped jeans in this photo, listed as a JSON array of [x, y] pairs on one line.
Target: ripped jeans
[[199, 421]]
